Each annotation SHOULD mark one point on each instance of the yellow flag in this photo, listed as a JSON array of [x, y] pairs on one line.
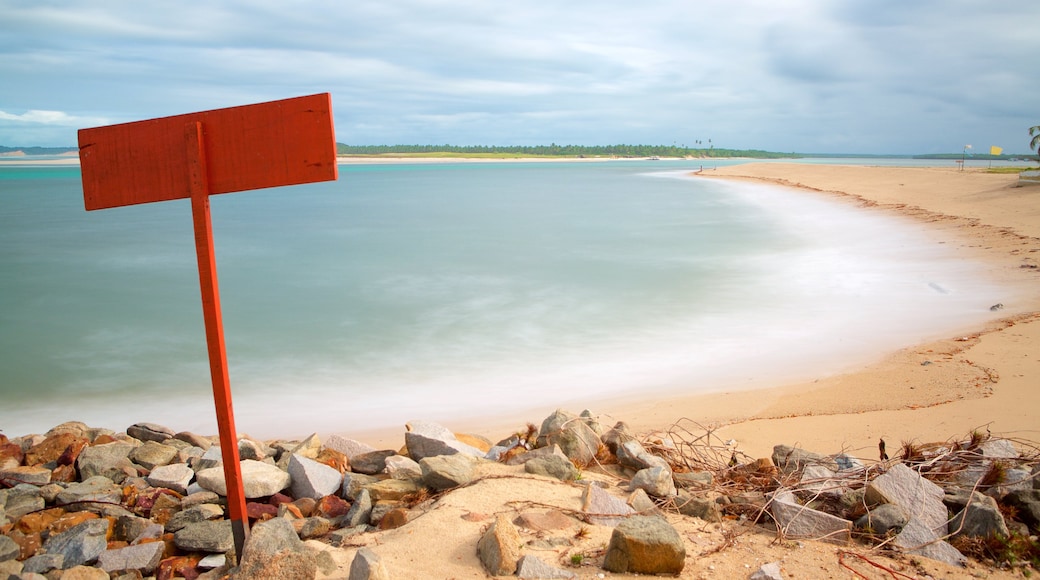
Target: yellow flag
[[994, 150]]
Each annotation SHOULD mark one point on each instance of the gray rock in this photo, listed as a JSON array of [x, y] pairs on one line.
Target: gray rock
[[633, 455], [998, 449], [847, 462], [343, 535], [314, 527], [919, 538], [194, 440], [151, 455], [213, 457], [109, 460], [258, 479], [645, 545], [9, 550], [770, 571], [552, 466], [199, 498], [980, 518], [920, 498], [1015, 479], [313, 479], [603, 509], [194, 515], [208, 536], [372, 462], [213, 561], [705, 508], [391, 489], [577, 441], [534, 568], [274, 552], [499, 547], [360, 511], [447, 471], [641, 502], [817, 480], [694, 479], [252, 449], [175, 476], [10, 569], [80, 544], [401, 467], [353, 483], [22, 499], [425, 439], [33, 475], [883, 518], [309, 447], [615, 436], [150, 432], [348, 447], [656, 481], [143, 558], [792, 459], [43, 563], [536, 453], [133, 529], [801, 522], [95, 489], [367, 566]]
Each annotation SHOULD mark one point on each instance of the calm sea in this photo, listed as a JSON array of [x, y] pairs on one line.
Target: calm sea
[[436, 291]]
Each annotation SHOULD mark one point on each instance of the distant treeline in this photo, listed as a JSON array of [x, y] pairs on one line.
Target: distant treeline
[[983, 156], [38, 150], [555, 150]]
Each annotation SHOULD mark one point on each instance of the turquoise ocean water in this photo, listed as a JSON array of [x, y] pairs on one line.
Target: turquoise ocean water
[[437, 291]]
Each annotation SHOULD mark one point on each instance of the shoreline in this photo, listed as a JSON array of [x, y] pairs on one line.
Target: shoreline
[[981, 378]]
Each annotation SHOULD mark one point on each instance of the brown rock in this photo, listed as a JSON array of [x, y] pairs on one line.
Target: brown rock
[[11, 455], [70, 520], [499, 547], [178, 566], [306, 505], [393, 519], [260, 511], [28, 544], [545, 522], [333, 459], [331, 507], [54, 447], [36, 522], [474, 440], [64, 473]]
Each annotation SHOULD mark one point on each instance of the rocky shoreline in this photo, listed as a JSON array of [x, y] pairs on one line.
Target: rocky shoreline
[[83, 502]]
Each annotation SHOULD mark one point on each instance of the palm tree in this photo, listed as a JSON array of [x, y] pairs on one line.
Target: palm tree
[[1034, 132]]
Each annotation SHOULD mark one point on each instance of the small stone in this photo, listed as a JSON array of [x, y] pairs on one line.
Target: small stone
[[274, 552], [65, 446], [980, 519], [194, 515], [533, 568], [426, 439], [109, 460], [9, 549], [392, 489], [394, 519], [770, 571], [359, 512], [43, 563], [353, 483], [143, 557], [33, 475], [401, 467], [81, 544], [883, 518], [194, 440], [656, 481], [602, 508], [372, 462], [549, 521], [314, 527], [705, 508], [152, 454], [347, 447], [575, 438], [331, 507], [95, 489], [797, 521]]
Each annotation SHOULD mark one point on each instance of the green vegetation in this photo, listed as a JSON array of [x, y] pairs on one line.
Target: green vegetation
[[553, 150], [1009, 169], [1034, 143]]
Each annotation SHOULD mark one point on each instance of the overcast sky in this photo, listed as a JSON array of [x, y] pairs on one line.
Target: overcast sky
[[842, 76]]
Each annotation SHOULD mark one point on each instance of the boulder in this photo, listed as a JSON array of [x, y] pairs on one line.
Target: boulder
[[801, 522], [194, 440], [33, 475], [63, 446], [176, 476], [705, 508], [617, 435], [372, 462], [522, 458], [1026, 502], [980, 519], [906, 488], [633, 455], [347, 447], [353, 483], [392, 489], [143, 557], [656, 481], [401, 467], [80, 544], [258, 479], [793, 459], [883, 518], [575, 438], [22, 499], [360, 511], [312, 479], [920, 539], [555, 466], [532, 567], [499, 547], [425, 439], [209, 536], [367, 565], [151, 454], [645, 545], [109, 460], [95, 489], [150, 432], [603, 509], [274, 552], [447, 471]]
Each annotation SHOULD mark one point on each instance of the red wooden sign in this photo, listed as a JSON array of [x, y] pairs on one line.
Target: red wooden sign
[[193, 156], [251, 147]]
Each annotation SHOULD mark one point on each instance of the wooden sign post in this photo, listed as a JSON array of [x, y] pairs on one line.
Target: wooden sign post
[[272, 144]]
